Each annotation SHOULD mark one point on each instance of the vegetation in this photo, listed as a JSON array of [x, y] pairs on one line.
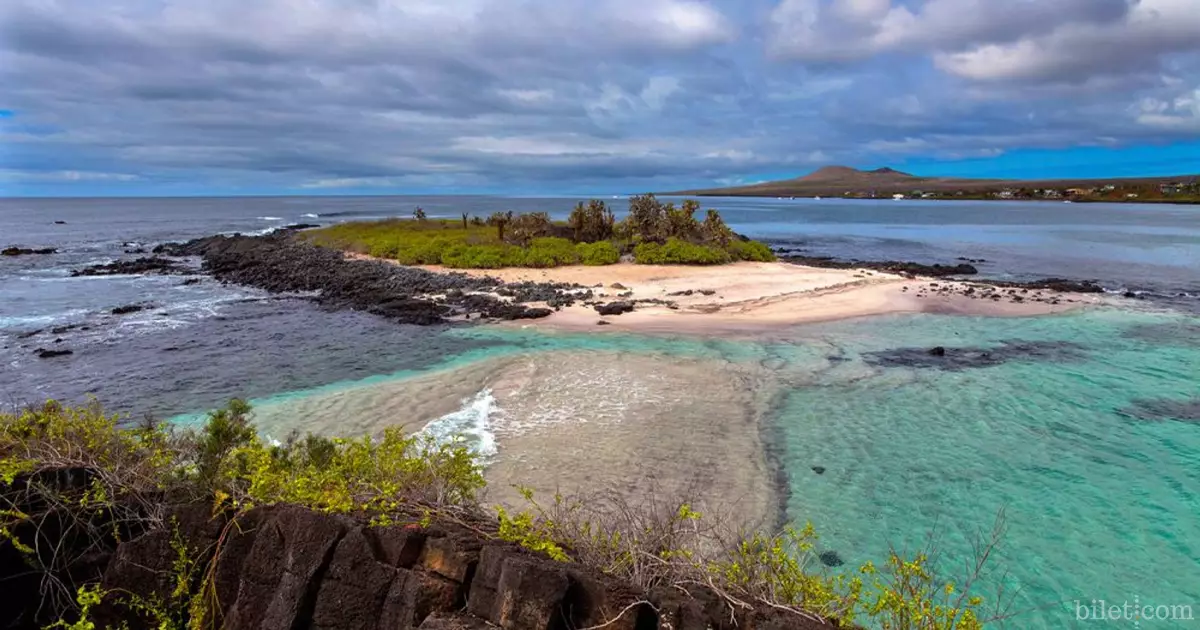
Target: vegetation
[[653, 233], [125, 474]]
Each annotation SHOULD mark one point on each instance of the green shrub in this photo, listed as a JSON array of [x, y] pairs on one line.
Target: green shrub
[[423, 252], [551, 252], [483, 256], [677, 252], [598, 253], [751, 250]]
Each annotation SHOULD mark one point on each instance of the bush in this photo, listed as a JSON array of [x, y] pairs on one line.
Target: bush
[[524, 228], [598, 253], [483, 256], [423, 252], [677, 252], [551, 252], [751, 250]]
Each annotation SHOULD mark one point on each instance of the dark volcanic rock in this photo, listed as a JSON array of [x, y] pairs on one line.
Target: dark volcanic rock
[[21, 251], [938, 351], [153, 264], [43, 353], [301, 226], [891, 266], [282, 264], [614, 308], [1061, 285], [288, 567], [1187, 410], [964, 358], [831, 559], [130, 308], [820, 470]]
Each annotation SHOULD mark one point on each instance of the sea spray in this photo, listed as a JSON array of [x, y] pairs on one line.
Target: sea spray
[[471, 423]]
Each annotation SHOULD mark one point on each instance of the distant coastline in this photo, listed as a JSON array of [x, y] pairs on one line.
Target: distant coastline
[[841, 182]]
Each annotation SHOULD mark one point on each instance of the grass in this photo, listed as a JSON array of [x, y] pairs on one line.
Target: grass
[[655, 233], [129, 472]]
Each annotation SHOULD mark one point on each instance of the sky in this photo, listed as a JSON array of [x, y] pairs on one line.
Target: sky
[[228, 97]]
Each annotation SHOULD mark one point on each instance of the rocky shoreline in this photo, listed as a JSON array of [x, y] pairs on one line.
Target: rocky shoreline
[[279, 263], [913, 269]]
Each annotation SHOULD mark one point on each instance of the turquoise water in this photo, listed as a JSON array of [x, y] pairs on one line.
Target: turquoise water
[[1101, 501], [1098, 505]]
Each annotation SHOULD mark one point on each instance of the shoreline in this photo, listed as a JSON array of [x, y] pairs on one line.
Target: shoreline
[[753, 297]]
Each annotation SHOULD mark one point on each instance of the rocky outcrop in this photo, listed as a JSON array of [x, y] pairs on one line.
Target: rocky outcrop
[[130, 308], [288, 567], [24, 251], [614, 308], [282, 264], [890, 266], [153, 264]]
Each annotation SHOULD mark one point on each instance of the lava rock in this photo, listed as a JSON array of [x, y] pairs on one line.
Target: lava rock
[[23, 251], [891, 266], [937, 351], [139, 266], [614, 308], [831, 559], [129, 308], [820, 470], [965, 358], [43, 353]]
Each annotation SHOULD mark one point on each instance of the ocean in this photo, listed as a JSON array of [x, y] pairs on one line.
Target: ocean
[[1082, 429]]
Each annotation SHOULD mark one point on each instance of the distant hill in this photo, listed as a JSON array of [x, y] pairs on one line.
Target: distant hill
[[844, 180]]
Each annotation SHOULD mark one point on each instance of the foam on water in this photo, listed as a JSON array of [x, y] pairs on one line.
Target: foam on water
[[472, 423]]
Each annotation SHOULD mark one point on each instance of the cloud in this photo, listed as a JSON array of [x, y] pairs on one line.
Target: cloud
[[380, 95]]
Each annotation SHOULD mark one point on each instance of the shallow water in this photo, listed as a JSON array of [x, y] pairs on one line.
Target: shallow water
[[1068, 427], [1098, 503]]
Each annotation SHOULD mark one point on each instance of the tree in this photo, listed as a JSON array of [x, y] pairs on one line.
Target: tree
[[714, 229], [591, 223]]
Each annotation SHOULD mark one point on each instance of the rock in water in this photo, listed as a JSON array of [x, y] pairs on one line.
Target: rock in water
[[43, 353], [23, 251], [831, 559], [129, 308], [820, 470], [937, 351], [153, 264]]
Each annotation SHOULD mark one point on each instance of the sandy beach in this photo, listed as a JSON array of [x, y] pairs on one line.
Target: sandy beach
[[749, 296]]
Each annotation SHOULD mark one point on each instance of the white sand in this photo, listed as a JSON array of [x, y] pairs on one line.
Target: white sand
[[753, 296]]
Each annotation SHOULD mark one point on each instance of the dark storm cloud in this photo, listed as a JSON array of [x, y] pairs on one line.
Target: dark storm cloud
[[573, 94]]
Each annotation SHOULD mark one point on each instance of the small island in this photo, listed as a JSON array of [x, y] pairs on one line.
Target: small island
[[653, 233]]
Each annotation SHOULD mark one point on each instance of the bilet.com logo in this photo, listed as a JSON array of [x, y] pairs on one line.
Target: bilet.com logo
[[1135, 612]]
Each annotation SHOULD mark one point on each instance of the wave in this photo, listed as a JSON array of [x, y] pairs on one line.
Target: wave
[[270, 218], [471, 423], [311, 215]]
